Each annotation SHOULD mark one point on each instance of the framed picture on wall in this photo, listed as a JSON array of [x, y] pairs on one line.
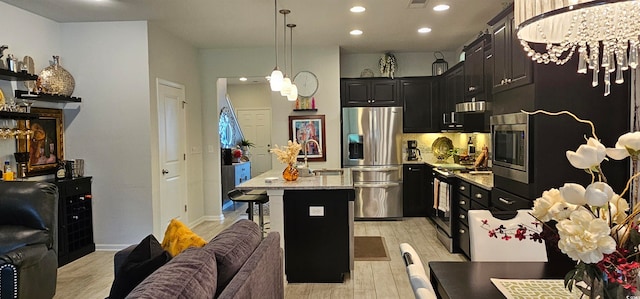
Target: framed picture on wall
[[306, 129], [45, 143]]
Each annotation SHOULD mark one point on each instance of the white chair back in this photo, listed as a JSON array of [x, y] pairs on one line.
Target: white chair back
[[420, 283], [511, 240]]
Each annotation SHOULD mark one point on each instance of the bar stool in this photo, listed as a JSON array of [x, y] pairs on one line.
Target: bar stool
[[259, 197]]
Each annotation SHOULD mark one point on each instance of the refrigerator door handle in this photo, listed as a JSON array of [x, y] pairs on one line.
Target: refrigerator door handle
[[378, 185]]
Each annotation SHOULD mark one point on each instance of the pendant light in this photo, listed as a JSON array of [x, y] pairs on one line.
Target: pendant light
[[286, 82], [275, 80], [293, 92]]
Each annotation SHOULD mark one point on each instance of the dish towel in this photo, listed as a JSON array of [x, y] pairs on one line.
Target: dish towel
[[443, 197], [436, 194]]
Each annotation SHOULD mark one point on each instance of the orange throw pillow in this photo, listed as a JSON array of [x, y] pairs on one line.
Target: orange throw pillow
[[179, 237]]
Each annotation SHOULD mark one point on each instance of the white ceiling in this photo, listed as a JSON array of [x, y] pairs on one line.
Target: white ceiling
[[388, 25]]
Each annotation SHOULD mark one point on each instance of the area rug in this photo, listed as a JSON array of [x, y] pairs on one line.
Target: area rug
[[370, 248]]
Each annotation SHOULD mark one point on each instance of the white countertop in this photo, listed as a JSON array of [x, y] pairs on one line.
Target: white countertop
[[319, 182]]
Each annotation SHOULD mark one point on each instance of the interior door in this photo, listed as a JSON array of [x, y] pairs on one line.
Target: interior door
[[172, 151], [256, 127]]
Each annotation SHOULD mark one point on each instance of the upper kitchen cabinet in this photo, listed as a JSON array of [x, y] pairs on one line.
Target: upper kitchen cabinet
[[419, 97], [453, 88], [369, 92], [478, 69], [512, 67]]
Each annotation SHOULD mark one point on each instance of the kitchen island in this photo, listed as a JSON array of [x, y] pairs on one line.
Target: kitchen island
[[314, 216]]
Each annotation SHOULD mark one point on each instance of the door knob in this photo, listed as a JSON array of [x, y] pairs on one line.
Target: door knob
[[164, 171]]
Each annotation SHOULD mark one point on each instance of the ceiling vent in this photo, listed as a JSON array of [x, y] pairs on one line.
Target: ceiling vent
[[418, 3]]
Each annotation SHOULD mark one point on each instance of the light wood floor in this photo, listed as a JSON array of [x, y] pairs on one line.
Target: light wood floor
[[90, 277]]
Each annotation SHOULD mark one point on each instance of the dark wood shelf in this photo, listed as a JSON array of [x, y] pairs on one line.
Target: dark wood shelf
[[16, 76], [45, 97], [16, 115], [305, 110]]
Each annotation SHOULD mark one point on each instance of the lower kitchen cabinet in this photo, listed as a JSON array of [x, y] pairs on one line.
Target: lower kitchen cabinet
[[417, 200], [75, 220], [469, 197]]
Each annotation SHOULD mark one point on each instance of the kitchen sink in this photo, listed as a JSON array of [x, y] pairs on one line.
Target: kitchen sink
[[325, 171]]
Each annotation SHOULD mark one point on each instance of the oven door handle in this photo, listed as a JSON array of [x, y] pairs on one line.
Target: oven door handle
[[378, 185]]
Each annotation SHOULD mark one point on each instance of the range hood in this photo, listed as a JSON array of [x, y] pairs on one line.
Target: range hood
[[472, 107]]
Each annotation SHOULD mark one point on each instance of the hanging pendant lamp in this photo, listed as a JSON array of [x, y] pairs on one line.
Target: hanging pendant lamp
[[286, 82], [275, 80], [293, 92]]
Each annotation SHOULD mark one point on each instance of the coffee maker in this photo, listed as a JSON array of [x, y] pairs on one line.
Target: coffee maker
[[413, 153]]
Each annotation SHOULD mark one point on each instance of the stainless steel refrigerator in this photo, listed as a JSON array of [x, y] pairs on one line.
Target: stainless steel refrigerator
[[372, 149]]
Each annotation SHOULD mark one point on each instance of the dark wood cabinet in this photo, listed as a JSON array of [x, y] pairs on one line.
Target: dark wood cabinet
[[369, 92], [474, 68], [512, 66], [453, 88], [421, 111], [468, 197], [75, 220], [417, 200]]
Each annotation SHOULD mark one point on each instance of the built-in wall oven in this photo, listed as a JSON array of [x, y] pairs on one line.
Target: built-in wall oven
[[442, 206], [510, 144]]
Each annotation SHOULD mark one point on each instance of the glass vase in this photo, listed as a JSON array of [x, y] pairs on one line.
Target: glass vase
[[290, 173]]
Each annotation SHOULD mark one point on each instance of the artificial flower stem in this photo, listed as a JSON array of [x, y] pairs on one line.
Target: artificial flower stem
[[593, 128]]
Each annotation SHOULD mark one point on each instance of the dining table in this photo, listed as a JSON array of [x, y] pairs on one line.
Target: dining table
[[463, 280]]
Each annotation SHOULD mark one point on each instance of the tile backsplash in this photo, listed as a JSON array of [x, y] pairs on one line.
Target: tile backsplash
[[459, 141]]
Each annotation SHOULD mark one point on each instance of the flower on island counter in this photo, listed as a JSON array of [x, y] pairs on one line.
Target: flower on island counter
[[588, 156], [627, 145], [584, 237], [287, 154]]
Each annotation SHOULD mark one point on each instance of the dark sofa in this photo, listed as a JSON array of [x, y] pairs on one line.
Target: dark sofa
[[28, 239], [237, 263]]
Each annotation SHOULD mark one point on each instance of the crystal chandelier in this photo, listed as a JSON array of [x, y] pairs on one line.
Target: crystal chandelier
[[604, 33]]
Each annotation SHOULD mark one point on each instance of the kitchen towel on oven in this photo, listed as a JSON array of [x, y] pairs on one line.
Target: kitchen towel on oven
[[443, 198], [436, 193]]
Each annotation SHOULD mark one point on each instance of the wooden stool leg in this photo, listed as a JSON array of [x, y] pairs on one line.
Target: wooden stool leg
[[250, 211]]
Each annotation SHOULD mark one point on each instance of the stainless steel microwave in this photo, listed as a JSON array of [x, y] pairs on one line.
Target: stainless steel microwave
[[510, 144]]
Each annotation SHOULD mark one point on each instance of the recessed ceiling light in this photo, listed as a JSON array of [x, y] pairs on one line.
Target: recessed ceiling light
[[441, 7], [357, 9], [424, 30], [356, 32], [243, 79]]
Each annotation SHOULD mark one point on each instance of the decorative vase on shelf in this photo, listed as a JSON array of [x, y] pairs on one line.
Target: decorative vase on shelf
[[290, 173], [54, 79]]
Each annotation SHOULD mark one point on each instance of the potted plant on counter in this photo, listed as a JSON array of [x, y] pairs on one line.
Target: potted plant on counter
[[245, 145]]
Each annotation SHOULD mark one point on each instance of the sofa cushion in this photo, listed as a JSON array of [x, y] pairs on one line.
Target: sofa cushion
[[191, 274], [16, 236], [179, 237], [232, 248], [143, 260]]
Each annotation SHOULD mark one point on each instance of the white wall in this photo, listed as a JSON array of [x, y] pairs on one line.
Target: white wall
[[219, 63], [250, 95], [111, 130], [40, 40], [171, 58], [409, 64]]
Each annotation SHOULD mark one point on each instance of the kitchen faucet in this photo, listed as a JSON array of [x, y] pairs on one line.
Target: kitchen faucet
[[304, 149]]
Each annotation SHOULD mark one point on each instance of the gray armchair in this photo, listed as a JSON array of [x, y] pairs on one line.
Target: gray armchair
[[28, 239]]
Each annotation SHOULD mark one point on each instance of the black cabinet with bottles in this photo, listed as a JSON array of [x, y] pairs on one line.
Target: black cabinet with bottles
[[512, 66], [417, 200], [75, 220], [421, 111], [369, 92]]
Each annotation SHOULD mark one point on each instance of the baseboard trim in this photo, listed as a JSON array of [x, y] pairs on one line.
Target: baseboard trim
[[111, 247]]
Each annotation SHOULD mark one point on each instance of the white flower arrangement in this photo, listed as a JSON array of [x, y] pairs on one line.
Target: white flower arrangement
[[388, 65], [593, 225], [287, 154]]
